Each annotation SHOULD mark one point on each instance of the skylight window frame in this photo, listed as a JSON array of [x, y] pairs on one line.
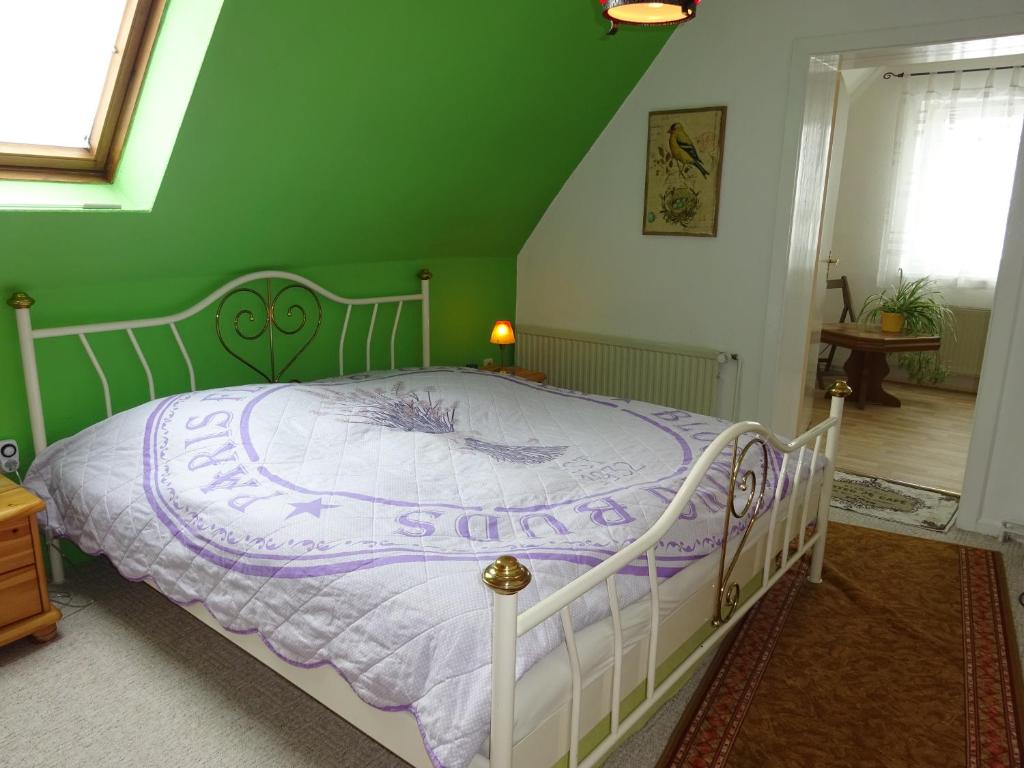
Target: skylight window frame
[[98, 162]]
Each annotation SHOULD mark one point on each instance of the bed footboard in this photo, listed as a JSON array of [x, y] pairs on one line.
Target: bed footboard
[[506, 577]]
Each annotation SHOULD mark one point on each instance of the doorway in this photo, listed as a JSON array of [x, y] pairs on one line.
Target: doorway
[[858, 153]]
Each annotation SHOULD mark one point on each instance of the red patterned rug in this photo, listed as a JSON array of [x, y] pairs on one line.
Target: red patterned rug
[[905, 655]]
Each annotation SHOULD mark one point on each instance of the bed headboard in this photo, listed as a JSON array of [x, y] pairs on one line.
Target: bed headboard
[[252, 310]]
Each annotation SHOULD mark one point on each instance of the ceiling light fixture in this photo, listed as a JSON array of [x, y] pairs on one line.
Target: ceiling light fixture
[[647, 14]]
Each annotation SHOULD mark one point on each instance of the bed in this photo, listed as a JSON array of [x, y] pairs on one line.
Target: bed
[[472, 568]]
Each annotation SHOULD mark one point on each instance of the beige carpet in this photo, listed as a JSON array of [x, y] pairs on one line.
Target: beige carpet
[[134, 681]]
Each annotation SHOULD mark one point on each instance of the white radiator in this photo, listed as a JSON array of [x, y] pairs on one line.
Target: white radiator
[[678, 377], [962, 352], [965, 352]]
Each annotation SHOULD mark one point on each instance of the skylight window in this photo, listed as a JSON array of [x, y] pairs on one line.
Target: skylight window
[[70, 72]]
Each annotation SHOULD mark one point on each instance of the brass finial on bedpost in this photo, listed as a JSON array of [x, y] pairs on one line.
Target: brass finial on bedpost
[[424, 274], [20, 300], [840, 389], [506, 575]]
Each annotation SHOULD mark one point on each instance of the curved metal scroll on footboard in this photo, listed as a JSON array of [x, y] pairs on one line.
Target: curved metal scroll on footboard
[[507, 577], [746, 482]]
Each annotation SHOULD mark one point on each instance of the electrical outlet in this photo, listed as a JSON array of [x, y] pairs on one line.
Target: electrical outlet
[[9, 458], [488, 362]]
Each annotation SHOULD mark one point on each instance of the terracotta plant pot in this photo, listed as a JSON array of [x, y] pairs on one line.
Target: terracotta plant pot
[[892, 322]]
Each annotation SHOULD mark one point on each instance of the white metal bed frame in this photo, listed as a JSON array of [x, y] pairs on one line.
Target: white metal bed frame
[[506, 576]]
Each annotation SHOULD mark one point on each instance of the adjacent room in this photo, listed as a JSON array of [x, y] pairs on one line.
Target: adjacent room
[[912, 236], [606, 383]]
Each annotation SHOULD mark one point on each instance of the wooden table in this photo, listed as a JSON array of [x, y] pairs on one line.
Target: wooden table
[[867, 367]]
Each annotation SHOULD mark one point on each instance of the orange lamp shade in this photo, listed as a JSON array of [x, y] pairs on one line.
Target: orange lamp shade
[[650, 14], [503, 333]]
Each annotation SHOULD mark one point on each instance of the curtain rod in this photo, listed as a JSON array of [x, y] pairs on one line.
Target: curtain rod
[[890, 75]]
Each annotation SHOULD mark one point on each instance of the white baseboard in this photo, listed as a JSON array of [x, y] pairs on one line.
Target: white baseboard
[[984, 527], [954, 383]]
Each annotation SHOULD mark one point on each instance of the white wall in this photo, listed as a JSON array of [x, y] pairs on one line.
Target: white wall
[[836, 168], [864, 190], [587, 267]]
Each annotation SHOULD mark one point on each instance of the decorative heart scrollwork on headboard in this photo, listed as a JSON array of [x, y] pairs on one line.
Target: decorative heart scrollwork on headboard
[[260, 318]]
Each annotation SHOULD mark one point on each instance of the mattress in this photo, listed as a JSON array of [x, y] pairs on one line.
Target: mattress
[[346, 521]]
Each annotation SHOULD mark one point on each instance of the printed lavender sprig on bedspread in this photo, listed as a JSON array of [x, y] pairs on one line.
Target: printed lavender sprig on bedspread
[[405, 411], [516, 454], [413, 412]]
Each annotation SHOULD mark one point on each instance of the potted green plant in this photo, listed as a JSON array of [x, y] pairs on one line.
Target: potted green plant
[[915, 307]]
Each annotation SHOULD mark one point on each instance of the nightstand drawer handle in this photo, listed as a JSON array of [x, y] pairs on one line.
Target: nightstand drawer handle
[[14, 532]]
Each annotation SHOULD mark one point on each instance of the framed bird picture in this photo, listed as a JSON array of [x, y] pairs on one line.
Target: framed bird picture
[[684, 171]]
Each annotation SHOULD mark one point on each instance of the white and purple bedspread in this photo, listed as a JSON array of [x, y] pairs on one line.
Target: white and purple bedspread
[[347, 521]]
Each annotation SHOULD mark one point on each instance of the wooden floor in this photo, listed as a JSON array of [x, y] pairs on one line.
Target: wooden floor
[[924, 442]]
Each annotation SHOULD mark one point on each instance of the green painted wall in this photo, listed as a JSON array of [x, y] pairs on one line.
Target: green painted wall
[[325, 140]]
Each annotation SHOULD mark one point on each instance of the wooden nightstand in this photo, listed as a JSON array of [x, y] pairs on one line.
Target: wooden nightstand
[[24, 600], [522, 373]]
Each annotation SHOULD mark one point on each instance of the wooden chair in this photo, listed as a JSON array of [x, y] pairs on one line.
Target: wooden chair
[[828, 352]]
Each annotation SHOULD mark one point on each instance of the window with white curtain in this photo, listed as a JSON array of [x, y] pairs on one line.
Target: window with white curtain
[[955, 156]]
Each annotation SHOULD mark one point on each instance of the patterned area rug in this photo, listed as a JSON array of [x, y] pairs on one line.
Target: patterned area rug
[[903, 657], [899, 502]]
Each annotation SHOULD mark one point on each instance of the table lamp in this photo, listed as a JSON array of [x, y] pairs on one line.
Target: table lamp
[[502, 335]]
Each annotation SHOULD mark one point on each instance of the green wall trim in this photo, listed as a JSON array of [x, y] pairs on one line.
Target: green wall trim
[[181, 46]]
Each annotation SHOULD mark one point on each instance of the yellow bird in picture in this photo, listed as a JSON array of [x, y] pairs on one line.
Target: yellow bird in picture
[[683, 150]]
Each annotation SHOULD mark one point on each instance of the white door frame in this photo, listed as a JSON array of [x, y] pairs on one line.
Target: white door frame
[[789, 294], [994, 443]]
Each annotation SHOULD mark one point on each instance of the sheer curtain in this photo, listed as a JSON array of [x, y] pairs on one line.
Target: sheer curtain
[[955, 154]]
